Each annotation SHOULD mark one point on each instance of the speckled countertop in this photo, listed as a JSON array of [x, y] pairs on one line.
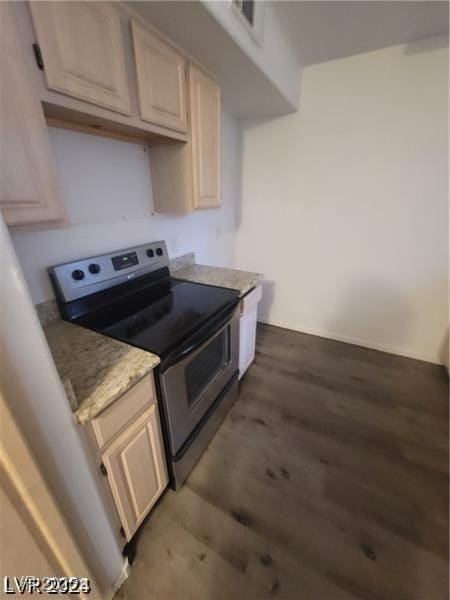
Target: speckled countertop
[[94, 369], [243, 281]]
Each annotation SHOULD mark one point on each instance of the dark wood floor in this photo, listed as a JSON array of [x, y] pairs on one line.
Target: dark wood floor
[[328, 480]]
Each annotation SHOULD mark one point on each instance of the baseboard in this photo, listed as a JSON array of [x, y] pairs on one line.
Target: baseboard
[[351, 340], [123, 575]]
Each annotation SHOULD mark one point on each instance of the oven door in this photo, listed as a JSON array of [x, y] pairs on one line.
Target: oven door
[[193, 383]]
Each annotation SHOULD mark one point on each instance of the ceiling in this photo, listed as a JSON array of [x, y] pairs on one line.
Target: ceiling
[[326, 30], [319, 30], [246, 91]]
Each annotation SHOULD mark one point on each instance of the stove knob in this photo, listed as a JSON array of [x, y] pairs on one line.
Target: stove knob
[[78, 274], [159, 251], [150, 253], [94, 268]]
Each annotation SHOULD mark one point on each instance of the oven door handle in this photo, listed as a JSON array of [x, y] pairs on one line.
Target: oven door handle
[[197, 340]]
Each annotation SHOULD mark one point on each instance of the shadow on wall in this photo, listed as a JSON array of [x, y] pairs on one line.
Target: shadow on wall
[[378, 313], [268, 293], [427, 45], [370, 313], [373, 311], [444, 349]]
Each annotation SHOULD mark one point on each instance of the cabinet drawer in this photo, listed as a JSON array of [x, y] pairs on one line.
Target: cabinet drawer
[[251, 299], [124, 410]]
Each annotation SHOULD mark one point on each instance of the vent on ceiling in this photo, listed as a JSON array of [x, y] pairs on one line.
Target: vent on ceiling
[[250, 14], [247, 10]]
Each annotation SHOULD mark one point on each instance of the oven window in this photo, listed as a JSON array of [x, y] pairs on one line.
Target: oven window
[[207, 365]]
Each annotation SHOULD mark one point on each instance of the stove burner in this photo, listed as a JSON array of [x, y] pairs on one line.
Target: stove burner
[[137, 325], [161, 319]]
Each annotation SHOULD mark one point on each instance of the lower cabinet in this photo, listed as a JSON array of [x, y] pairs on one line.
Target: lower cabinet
[[247, 329], [127, 444], [136, 470]]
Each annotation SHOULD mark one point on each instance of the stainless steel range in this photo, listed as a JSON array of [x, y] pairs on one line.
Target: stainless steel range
[[129, 295]]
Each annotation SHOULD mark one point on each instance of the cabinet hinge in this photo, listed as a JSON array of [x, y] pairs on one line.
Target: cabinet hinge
[[38, 56], [122, 532], [103, 470]]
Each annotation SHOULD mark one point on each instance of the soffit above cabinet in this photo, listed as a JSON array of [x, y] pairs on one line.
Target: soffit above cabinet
[[249, 87]]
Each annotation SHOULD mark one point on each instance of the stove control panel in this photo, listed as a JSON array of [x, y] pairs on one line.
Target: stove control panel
[[83, 277], [123, 261]]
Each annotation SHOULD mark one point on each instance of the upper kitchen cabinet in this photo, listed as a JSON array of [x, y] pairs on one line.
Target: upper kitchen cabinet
[[28, 188], [204, 94], [85, 75], [161, 79], [82, 47], [187, 176]]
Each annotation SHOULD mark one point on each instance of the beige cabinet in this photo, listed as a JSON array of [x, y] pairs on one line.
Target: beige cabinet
[[91, 82], [136, 470], [28, 188], [161, 79], [204, 94], [187, 176], [83, 51], [126, 440]]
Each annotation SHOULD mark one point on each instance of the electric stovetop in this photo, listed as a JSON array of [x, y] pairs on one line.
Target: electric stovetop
[[160, 320], [130, 295]]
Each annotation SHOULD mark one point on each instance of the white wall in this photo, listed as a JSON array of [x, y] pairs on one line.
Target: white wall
[[345, 202], [106, 188]]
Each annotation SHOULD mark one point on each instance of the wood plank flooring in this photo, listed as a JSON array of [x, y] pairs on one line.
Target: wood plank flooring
[[328, 480]]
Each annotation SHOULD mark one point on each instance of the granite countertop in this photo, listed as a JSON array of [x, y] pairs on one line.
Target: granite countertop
[[94, 369], [243, 281]]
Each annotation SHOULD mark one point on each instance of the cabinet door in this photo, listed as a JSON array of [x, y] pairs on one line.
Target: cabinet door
[[161, 75], [83, 52], [136, 469], [28, 189], [205, 131]]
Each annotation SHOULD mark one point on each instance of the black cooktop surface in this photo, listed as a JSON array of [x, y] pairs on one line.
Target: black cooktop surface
[[160, 324]]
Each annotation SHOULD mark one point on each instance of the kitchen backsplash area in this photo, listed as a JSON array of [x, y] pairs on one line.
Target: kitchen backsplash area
[[106, 189]]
